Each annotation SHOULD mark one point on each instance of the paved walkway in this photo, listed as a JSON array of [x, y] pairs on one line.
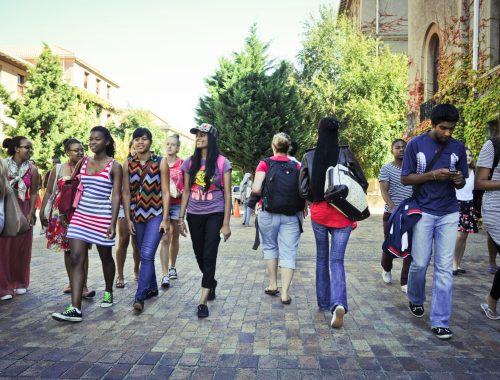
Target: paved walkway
[[249, 334]]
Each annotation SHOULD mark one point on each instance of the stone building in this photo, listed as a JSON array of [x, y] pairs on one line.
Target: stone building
[[76, 72], [428, 21], [13, 72], [386, 19]]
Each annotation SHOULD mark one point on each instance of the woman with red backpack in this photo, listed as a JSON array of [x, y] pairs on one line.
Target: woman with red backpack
[[207, 201]]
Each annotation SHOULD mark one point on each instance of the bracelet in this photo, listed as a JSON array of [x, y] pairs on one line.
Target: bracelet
[[434, 175]]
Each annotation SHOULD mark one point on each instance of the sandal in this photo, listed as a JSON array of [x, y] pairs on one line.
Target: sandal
[[271, 292], [287, 302], [88, 293], [120, 282], [489, 313], [67, 290]]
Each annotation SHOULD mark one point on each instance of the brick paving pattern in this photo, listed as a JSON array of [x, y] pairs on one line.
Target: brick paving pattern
[[250, 335]]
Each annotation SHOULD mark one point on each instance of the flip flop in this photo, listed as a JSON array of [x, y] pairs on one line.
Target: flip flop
[[67, 290], [489, 313], [120, 283], [271, 292], [287, 302], [88, 294]]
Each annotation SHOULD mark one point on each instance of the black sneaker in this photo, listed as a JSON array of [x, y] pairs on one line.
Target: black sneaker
[[138, 305], [211, 293], [202, 311], [151, 293], [442, 332], [68, 315], [416, 310]]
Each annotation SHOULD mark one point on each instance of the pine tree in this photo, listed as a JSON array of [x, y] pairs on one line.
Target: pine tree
[[249, 100]]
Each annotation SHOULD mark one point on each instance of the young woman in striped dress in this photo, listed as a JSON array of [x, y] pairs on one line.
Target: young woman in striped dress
[[94, 220]]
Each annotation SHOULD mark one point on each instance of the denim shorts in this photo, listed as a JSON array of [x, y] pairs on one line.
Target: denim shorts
[[280, 235], [174, 211]]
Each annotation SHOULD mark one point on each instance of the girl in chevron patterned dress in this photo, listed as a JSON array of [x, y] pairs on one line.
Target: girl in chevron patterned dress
[[94, 220], [146, 199]]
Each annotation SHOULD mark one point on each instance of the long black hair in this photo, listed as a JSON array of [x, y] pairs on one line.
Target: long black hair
[[12, 143], [110, 148], [325, 155], [210, 164]]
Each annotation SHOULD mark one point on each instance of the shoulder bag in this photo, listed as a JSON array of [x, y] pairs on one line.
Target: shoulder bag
[[15, 221], [69, 191]]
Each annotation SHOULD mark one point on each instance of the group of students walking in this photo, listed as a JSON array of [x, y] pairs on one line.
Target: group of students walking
[[159, 195]]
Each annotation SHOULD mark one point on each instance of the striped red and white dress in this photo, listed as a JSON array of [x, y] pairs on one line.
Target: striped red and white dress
[[92, 217]]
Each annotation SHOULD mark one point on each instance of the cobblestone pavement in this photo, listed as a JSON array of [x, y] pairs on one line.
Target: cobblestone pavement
[[249, 334]]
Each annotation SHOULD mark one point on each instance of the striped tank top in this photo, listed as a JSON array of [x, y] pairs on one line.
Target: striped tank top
[[93, 215], [145, 198]]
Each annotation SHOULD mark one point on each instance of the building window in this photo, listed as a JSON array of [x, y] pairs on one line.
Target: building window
[[433, 66], [97, 85], [21, 79], [85, 80], [108, 92]]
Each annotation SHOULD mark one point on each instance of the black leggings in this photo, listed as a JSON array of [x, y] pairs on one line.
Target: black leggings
[[205, 235]]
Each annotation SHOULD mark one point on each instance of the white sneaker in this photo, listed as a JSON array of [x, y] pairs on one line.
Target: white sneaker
[[20, 291], [387, 277], [172, 273], [165, 282], [6, 297], [404, 288], [338, 317]]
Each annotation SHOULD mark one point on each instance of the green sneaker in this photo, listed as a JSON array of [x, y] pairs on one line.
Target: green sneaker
[[69, 315], [107, 300]]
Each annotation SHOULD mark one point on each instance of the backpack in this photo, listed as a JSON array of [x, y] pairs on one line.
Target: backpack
[[280, 193], [478, 194]]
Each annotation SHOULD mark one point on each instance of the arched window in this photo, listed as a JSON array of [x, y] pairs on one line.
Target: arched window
[[432, 66]]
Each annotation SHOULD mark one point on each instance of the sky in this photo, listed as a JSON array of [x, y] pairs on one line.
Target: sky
[[158, 51]]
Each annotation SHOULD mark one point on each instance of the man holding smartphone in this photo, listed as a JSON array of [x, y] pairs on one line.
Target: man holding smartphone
[[435, 164]]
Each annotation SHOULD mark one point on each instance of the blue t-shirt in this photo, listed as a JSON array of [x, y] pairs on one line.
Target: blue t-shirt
[[435, 197]]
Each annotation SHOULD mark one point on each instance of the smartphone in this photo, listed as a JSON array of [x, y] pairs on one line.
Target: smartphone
[[453, 170]]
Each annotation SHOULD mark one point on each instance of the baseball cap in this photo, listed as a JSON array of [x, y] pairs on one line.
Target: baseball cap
[[207, 128]]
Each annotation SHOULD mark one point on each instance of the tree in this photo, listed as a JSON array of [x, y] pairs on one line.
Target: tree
[[249, 100], [50, 111], [131, 120], [354, 78]]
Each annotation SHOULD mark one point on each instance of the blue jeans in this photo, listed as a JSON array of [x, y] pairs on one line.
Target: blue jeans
[[248, 214], [280, 235], [443, 231], [148, 238], [331, 288]]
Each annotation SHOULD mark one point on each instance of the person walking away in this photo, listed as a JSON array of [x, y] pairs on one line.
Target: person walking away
[[393, 193], [467, 222], [170, 241], [56, 228], [436, 164], [281, 216], [488, 179], [331, 289], [94, 220], [15, 252], [207, 200], [146, 200], [245, 192]]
